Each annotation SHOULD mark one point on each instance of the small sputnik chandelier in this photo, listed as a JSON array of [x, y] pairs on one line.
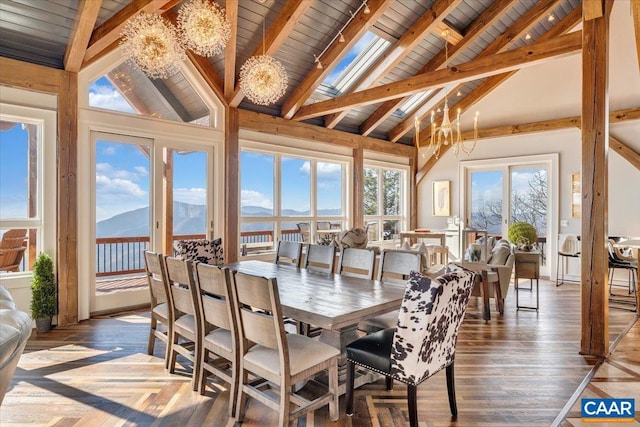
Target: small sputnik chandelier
[[150, 43], [448, 132], [204, 27], [263, 79]]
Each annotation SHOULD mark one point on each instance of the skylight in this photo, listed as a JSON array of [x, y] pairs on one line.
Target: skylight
[[357, 60], [411, 103]]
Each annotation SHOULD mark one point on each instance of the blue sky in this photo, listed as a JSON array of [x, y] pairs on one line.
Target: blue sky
[[13, 172]]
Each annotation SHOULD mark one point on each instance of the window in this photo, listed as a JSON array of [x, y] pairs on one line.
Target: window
[[27, 165], [384, 202], [411, 103], [288, 198]]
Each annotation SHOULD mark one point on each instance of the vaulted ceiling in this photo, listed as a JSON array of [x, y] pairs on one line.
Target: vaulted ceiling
[[488, 41]]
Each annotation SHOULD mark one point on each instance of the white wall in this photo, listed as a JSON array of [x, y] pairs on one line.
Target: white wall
[[547, 91]]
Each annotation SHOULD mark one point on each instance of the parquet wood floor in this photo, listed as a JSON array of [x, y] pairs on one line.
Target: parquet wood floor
[[519, 369]]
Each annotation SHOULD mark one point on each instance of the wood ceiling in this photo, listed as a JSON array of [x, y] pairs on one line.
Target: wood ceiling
[[491, 40]]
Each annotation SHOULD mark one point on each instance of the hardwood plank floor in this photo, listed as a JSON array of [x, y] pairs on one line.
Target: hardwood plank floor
[[519, 369]]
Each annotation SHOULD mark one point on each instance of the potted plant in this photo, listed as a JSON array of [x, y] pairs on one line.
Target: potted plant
[[43, 292], [523, 235]]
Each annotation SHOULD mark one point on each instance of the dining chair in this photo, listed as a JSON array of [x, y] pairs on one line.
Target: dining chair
[[615, 261], [185, 339], [438, 260], [267, 352], [320, 258], [395, 267], [355, 262], [288, 252], [218, 329], [423, 343], [323, 225], [160, 305], [305, 231], [201, 250], [569, 247]]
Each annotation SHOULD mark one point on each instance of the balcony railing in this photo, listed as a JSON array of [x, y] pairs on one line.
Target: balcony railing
[[125, 255]]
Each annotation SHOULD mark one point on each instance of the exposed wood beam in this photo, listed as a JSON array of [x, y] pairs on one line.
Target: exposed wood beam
[[171, 101], [473, 31], [81, 33], [358, 187], [232, 184], [209, 73], [393, 56], [595, 199], [352, 34], [444, 30], [276, 36], [617, 116], [230, 51], [273, 125], [105, 37], [592, 9], [472, 70], [566, 24], [635, 11], [627, 153]]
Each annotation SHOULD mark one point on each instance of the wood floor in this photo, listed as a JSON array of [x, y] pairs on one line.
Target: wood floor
[[519, 369]]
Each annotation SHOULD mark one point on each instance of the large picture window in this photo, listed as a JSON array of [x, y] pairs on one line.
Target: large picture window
[[384, 202], [284, 197]]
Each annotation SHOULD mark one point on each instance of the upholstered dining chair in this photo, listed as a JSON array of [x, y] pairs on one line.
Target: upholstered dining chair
[[185, 339], [320, 258], [356, 262], [305, 231], [394, 267], [267, 352], [218, 329], [160, 305], [568, 248], [424, 341], [629, 264], [290, 252], [201, 250]]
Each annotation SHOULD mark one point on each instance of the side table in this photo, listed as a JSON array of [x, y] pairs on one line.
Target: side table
[[527, 266]]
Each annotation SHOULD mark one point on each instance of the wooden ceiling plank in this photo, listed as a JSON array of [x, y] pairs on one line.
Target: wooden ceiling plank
[[474, 30], [617, 116], [592, 9], [475, 69], [278, 32], [231, 50], [209, 73], [426, 24], [273, 125], [83, 24], [627, 153], [352, 34], [635, 11], [500, 44], [103, 38]]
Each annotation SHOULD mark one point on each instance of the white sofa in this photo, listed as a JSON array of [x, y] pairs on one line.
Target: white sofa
[[15, 330]]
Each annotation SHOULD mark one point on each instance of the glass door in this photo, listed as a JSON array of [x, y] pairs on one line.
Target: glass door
[[147, 194]]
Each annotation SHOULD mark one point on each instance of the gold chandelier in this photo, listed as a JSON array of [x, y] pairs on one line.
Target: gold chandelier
[[204, 27], [448, 132], [153, 45], [263, 79], [150, 43]]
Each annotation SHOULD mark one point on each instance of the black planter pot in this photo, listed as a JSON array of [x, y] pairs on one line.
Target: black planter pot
[[43, 324]]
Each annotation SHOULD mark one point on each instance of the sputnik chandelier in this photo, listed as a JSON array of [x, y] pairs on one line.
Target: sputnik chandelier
[[263, 79], [448, 132], [153, 45]]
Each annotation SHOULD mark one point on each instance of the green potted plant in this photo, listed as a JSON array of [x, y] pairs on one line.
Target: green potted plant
[[523, 235], [43, 292]]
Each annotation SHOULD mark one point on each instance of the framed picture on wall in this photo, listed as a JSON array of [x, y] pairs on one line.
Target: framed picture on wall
[[441, 198], [576, 202]]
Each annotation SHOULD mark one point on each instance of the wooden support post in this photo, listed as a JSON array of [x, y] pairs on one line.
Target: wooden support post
[[232, 184], [413, 193], [358, 187], [595, 147], [167, 208]]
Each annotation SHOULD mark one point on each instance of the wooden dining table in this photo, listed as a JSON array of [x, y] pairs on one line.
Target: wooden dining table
[[332, 302]]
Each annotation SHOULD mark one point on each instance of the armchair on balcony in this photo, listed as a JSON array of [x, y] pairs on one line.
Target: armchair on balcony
[[12, 248], [202, 250]]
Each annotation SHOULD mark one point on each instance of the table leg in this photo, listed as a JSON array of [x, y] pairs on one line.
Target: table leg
[[486, 308]]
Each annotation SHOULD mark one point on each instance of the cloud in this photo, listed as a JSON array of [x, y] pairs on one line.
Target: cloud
[[117, 188], [255, 198], [107, 169], [142, 171], [329, 170], [109, 150], [102, 96], [194, 196]]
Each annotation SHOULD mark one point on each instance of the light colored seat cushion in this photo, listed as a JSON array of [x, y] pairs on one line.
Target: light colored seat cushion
[[162, 310], [220, 339], [304, 353], [186, 323]]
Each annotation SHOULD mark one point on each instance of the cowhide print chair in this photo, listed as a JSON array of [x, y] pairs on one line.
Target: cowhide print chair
[[423, 343], [201, 250]]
